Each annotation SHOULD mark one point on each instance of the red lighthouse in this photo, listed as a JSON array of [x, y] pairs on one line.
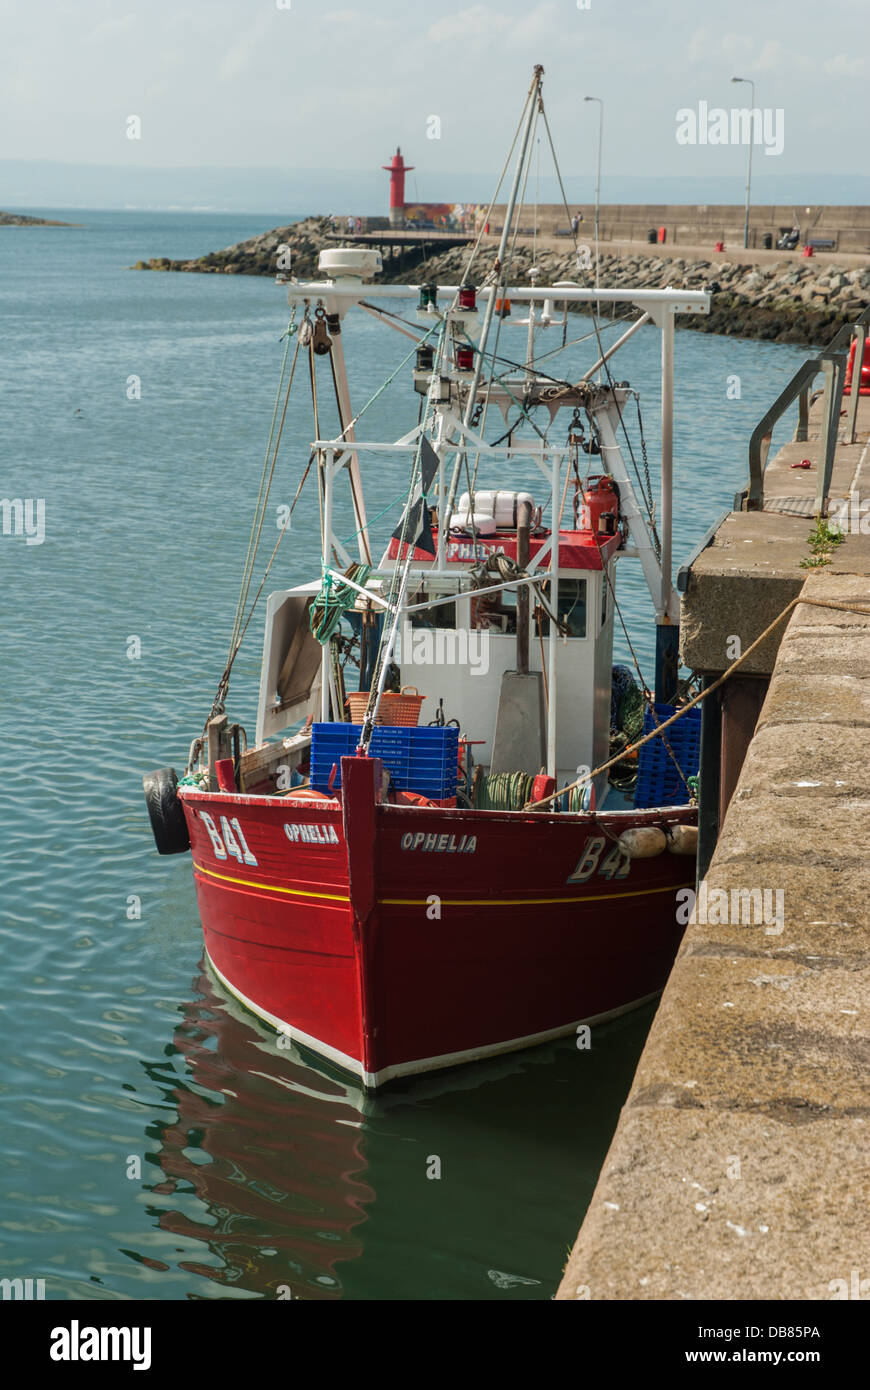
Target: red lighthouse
[[397, 170]]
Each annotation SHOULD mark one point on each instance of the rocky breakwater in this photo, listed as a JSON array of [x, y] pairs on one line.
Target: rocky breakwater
[[259, 254], [781, 300]]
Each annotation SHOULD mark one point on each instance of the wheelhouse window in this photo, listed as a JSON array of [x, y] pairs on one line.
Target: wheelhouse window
[[495, 612], [572, 606], [441, 615]]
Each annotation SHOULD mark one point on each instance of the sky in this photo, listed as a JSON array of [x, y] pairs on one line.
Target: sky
[[307, 85]]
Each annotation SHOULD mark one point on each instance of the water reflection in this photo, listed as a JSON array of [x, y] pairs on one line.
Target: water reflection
[[300, 1185], [273, 1151]]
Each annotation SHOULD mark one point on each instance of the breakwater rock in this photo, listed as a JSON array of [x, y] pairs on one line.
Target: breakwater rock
[[786, 300], [259, 254], [797, 301]]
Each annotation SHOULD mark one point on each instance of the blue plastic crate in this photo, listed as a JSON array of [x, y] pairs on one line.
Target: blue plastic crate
[[431, 772], [329, 744], [438, 787], [658, 781], [434, 733], [420, 760]]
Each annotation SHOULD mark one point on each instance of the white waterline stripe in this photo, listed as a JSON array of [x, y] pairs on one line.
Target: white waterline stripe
[[423, 1064]]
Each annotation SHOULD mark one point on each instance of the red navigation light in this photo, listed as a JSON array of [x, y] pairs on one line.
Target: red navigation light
[[465, 359], [467, 297]]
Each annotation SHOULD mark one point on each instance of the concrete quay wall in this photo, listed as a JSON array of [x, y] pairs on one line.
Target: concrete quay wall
[[848, 227], [740, 1166]]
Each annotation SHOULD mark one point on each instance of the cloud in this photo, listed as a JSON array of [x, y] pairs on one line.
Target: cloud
[[774, 56], [704, 43], [109, 29], [356, 17], [243, 55], [479, 22], [842, 66], [538, 25]]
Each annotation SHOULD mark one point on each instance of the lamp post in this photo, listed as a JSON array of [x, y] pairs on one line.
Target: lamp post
[[598, 175], [750, 83]]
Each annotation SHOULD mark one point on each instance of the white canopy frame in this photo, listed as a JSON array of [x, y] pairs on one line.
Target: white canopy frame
[[452, 433]]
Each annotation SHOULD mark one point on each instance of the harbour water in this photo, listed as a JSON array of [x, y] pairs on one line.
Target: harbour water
[[159, 1144]]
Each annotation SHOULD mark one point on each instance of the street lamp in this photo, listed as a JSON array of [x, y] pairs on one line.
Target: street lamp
[[749, 81], [598, 175]]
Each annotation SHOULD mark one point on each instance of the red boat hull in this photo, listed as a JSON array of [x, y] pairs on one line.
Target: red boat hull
[[395, 940]]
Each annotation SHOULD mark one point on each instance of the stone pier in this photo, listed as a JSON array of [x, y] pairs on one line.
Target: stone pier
[[740, 1167]]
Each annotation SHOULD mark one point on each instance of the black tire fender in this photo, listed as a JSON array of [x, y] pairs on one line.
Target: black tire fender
[[166, 811]]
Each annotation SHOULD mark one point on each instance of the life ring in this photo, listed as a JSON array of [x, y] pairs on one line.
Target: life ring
[[166, 812], [307, 794]]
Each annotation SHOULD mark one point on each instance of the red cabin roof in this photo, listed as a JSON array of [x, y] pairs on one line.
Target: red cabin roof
[[578, 550]]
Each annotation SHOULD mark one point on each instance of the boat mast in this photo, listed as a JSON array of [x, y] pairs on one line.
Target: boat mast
[[667, 627], [348, 433], [531, 105]]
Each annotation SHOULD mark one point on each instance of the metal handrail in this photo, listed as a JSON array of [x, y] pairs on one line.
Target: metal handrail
[[858, 332], [832, 363], [759, 441]]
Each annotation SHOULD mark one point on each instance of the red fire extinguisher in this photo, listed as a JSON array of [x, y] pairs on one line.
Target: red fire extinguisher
[[599, 498]]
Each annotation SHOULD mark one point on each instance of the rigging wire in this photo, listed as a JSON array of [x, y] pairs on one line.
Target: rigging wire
[[397, 584], [597, 330], [223, 684], [498, 277], [559, 176], [266, 478], [500, 357], [501, 282], [485, 223], [358, 506], [493, 278]]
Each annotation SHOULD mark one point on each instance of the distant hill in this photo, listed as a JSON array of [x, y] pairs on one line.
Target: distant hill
[[49, 184], [18, 219]]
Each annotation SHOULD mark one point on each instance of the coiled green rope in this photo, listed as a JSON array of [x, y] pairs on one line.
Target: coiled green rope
[[334, 600], [503, 791]]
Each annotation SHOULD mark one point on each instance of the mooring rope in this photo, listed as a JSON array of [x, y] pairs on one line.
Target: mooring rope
[[654, 733]]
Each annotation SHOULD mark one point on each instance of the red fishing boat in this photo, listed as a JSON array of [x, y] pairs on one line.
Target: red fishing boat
[[415, 890]]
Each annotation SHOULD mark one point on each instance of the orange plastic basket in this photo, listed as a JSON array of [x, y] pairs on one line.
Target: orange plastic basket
[[357, 703], [402, 708]]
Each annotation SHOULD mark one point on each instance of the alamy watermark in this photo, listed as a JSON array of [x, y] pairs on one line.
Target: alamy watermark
[[719, 907], [24, 517], [853, 1288], [426, 646], [849, 515], [742, 125], [77, 1343], [22, 1289]]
